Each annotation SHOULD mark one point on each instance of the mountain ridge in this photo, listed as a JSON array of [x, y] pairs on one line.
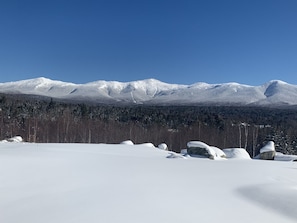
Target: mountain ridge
[[155, 92]]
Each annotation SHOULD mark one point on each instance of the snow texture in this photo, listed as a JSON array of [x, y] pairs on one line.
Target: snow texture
[[76, 183], [236, 153], [152, 91]]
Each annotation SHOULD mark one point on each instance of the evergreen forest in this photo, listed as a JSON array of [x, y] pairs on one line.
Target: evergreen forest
[[46, 120]]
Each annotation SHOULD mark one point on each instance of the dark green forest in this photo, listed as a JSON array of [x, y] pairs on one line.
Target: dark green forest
[[46, 120]]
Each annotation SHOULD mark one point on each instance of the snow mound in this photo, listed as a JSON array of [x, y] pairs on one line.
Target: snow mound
[[127, 142], [16, 139], [173, 155], [283, 157], [147, 144], [236, 153], [163, 146]]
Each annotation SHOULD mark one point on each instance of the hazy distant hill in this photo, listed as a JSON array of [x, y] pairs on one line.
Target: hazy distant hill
[[153, 92]]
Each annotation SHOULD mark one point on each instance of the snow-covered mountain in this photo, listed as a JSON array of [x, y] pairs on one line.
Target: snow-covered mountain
[[151, 91]]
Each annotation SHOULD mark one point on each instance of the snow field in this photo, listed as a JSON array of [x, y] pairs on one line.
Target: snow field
[[124, 183]]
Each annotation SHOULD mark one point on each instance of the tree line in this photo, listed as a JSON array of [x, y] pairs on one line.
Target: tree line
[[46, 120]]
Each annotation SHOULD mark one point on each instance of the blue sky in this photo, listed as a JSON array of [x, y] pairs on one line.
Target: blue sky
[[213, 41]]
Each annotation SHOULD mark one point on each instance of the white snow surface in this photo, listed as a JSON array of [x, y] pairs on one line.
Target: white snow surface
[[74, 183], [236, 153], [151, 91]]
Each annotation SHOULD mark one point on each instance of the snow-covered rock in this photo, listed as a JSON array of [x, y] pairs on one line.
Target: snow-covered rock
[[268, 151], [163, 146], [200, 149], [219, 153], [236, 153]]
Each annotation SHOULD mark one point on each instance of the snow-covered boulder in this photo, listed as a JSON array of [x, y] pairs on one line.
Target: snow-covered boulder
[[14, 139], [236, 153], [200, 149], [127, 142], [268, 151], [163, 146], [219, 153]]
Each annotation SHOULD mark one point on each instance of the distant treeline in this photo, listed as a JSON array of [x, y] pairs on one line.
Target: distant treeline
[[48, 120]]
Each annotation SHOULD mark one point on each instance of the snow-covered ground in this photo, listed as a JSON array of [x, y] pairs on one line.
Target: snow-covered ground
[[63, 183]]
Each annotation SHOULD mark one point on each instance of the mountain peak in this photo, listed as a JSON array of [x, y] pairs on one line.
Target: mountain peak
[[153, 91]]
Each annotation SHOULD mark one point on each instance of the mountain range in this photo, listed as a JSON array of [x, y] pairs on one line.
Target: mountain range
[[155, 92]]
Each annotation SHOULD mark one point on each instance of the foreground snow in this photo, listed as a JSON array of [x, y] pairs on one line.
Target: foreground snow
[[76, 183]]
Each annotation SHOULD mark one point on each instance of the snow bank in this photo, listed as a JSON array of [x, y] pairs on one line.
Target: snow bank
[[16, 139], [236, 153]]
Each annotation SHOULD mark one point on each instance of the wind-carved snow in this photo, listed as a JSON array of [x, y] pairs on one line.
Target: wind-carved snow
[[152, 91]]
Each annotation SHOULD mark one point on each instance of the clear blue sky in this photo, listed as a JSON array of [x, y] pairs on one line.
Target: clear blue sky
[[213, 41]]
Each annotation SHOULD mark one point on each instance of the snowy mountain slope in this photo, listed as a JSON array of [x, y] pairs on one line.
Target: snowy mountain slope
[[152, 91]]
